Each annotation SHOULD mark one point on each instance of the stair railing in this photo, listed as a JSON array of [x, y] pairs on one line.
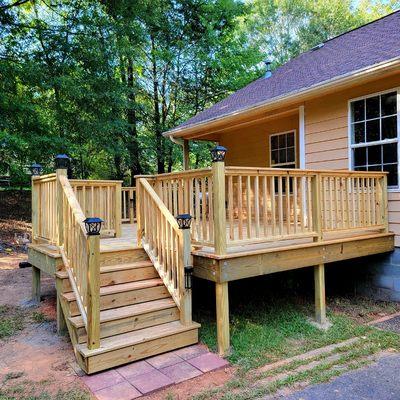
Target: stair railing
[[166, 245], [80, 253]]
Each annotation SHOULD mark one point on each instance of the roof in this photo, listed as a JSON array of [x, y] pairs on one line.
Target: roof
[[370, 44]]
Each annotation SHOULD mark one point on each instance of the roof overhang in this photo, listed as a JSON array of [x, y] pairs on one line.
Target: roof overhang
[[338, 83]]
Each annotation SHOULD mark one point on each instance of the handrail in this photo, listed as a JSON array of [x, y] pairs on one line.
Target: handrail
[[80, 254], [164, 242]]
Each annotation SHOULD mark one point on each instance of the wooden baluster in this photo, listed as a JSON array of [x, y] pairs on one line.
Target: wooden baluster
[[230, 208], [273, 199], [295, 203], [197, 200], [248, 206], [287, 189], [265, 205], [204, 209], [210, 209], [240, 206], [257, 206], [316, 207], [118, 222], [280, 205]]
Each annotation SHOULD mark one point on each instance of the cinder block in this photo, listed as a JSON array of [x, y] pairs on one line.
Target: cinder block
[[383, 281]]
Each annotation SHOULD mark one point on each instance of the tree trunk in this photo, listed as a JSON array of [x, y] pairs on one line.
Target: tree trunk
[[132, 145]]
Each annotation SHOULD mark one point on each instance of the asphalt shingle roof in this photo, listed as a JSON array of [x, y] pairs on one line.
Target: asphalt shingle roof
[[360, 48]]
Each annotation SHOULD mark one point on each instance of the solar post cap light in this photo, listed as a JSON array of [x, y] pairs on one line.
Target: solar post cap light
[[184, 221], [218, 153], [36, 169], [93, 226], [62, 161]]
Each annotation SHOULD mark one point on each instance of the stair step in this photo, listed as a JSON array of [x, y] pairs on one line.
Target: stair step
[[119, 273], [131, 346], [129, 318], [114, 256], [124, 294]]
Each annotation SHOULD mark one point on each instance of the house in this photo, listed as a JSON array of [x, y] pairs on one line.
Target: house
[[306, 166]]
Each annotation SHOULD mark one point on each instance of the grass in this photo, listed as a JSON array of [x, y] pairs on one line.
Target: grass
[[12, 320], [267, 328]]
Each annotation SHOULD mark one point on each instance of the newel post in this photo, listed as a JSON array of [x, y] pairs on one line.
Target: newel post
[[118, 209], [93, 227], [184, 222], [384, 206], [62, 164], [221, 288], [218, 176]]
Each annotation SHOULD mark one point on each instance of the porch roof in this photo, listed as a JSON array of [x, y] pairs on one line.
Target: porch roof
[[347, 54]]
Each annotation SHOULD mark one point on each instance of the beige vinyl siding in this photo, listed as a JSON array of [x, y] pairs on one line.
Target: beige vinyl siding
[[326, 135], [249, 146]]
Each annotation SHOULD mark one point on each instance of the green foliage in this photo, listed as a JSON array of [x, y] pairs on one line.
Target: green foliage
[[12, 320], [101, 80]]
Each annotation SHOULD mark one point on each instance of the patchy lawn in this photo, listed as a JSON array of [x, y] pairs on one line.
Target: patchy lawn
[[265, 331]]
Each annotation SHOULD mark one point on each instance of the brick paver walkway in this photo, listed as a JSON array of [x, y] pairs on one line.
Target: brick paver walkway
[[143, 377]]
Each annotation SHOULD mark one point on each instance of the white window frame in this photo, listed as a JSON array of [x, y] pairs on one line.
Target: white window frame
[[283, 165], [352, 146]]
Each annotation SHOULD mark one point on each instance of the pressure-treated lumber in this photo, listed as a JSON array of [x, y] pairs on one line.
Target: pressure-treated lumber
[[35, 284], [319, 288], [218, 175], [222, 306]]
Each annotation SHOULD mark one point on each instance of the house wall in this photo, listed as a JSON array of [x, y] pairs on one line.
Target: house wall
[[326, 136], [249, 146]]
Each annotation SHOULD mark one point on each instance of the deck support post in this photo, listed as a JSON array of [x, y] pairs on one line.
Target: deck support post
[[93, 292], [35, 284], [320, 304], [185, 148], [222, 305], [61, 324]]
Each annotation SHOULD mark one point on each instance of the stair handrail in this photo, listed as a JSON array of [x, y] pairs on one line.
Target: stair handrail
[[80, 253], [166, 245]]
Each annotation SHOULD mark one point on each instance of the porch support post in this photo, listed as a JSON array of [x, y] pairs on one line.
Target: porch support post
[[60, 212], [186, 309], [35, 284], [320, 304], [222, 305], [185, 148]]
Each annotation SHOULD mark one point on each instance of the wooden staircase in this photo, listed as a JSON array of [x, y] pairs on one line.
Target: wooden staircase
[[138, 317]]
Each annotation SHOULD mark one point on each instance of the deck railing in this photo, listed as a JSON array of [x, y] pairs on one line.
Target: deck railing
[[101, 198], [159, 233], [44, 211], [233, 206], [128, 204], [80, 253]]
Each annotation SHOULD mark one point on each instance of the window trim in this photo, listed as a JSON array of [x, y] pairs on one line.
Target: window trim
[[295, 149], [351, 146]]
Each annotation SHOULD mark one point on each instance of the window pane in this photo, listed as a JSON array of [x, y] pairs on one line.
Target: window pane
[[290, 140], [372, 106], [282, 141], [374, 155], [360, 168], [392, 177], [390, 153], [358, 110], [375, 168], [360, 156], [389, 127], [290, 154], [282, 156], [274, 157], [358, 133], [373, 130], [389, 103]]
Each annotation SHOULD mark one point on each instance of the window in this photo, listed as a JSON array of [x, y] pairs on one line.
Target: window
[[283, 150], [374, 134]]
